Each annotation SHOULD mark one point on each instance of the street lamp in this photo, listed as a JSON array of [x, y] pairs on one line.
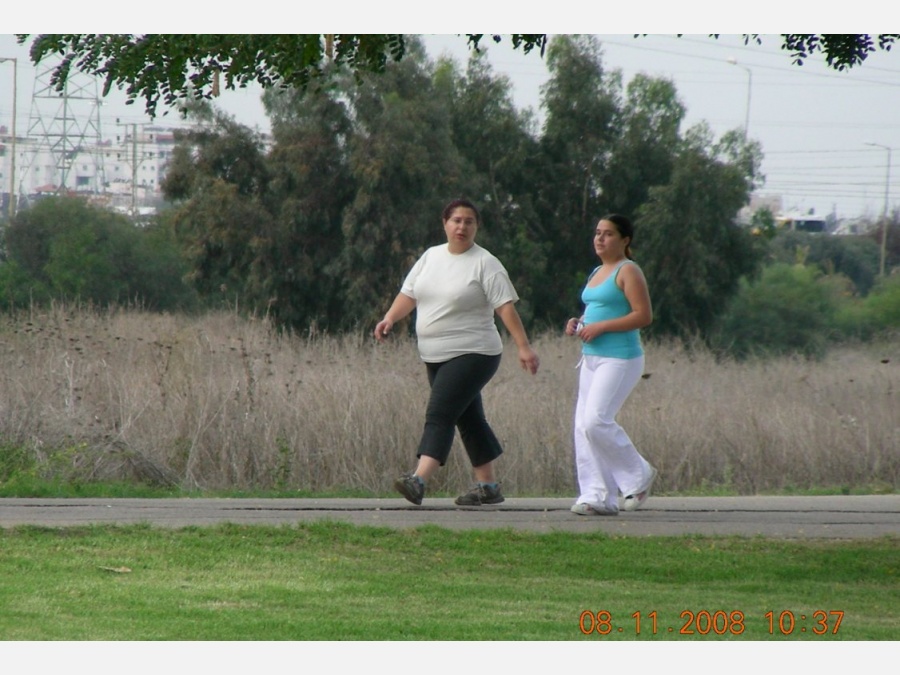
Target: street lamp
[[884, 214], [733, 61], [12, 161]]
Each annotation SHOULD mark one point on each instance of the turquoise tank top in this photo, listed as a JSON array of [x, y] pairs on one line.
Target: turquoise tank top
[[607, 301]]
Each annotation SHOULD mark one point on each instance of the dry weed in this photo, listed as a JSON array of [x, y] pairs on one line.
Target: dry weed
[[221, 402]]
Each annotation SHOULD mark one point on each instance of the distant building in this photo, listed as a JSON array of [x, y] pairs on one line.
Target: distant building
[[802, 222], [127, 170], [772, 203], [124, 171]]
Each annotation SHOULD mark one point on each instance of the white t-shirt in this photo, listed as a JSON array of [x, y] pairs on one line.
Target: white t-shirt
[[456, 295]]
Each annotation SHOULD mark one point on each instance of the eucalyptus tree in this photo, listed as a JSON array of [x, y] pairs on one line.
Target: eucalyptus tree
[[498, 144], [687, 240], [297, 267], [405, 167], [643, 153], [581, 103], [217, 181]]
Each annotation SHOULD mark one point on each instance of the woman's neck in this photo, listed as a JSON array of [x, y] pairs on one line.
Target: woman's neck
[[459, 249], [612, 260]]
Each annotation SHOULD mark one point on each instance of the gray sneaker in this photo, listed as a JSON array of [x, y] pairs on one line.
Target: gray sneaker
[[410, 487], [479, 495]]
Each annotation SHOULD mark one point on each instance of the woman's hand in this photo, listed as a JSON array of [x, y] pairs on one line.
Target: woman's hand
[[402, 306], [573, 325], [589, 331], [529, 360], [383, 329]]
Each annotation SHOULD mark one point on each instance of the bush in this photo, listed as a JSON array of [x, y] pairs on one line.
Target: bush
[[852, 256], [883, 304], [64, 248], [877, 314], [789, 310]]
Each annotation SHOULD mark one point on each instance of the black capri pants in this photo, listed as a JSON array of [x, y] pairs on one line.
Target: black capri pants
[[455, 402]]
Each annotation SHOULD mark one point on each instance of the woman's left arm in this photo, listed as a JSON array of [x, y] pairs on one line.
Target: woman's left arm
[[634, 286], [528, 358]]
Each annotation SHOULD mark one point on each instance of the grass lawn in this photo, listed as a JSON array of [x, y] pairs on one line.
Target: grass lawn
[[332, 581]]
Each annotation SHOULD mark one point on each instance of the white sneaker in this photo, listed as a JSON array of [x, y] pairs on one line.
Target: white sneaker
[[584, 509], [636, 501]]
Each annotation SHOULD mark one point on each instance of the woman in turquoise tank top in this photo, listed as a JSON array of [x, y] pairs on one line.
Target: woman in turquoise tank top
[[617, 305]]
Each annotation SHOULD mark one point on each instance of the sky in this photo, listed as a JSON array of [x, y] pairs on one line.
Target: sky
[[815, 124]]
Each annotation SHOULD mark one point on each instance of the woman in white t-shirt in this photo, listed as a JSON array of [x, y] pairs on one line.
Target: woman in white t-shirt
[[456, 288]]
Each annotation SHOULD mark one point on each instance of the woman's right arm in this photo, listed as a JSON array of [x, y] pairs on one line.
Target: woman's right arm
[[402, 306]]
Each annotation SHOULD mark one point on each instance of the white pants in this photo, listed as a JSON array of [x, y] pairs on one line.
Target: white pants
[[606, 460]]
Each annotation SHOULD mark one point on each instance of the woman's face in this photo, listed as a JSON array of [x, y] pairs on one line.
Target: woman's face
[[607, 240], [460, 229]]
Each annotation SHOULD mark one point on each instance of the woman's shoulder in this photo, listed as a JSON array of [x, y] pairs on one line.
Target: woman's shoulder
[[484, 256], [433, 252], [629, 269]]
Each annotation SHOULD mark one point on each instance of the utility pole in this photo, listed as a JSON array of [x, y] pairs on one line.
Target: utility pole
[[733, 61], [884, 213], [133, 164], [133, 169], [12, 159]]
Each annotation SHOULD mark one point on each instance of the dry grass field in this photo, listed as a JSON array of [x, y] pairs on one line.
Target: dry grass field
[[224, 403]]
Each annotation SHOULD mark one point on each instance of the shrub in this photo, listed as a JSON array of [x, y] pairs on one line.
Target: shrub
[[852, 256], [878, 313], [883, 304], [65, 248], [790, 309]]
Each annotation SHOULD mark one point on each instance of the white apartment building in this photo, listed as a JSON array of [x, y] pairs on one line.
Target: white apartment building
[[125, 171]]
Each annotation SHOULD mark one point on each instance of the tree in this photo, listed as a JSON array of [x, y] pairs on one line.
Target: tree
[[63, 247], [296, 268], [646, 144], [841, 51], [889, 237], [177, 67], [582, 103], [788, 310], [853, 256], [405, 167], [217, 147], [173, 68], [497, 143], [320, 227], [687, 241], [217, 180]]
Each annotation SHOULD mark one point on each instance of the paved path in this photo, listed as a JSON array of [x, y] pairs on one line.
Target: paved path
[[833, 517]]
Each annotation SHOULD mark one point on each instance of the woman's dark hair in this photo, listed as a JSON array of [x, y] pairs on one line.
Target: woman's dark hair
[[624, 227], [460, 203]]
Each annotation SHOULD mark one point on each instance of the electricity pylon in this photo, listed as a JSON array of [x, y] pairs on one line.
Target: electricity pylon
[[64, 127]]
